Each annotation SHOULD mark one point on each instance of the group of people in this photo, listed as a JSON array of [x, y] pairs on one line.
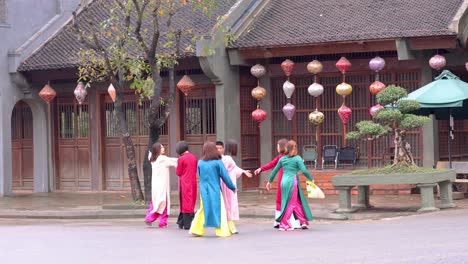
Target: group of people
[[218, 174]]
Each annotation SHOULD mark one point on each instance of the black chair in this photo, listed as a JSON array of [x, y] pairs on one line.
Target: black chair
[[329, 154], [348, 156], [309, 154]]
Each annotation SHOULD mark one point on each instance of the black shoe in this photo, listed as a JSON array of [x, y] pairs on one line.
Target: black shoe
[[276, 226]]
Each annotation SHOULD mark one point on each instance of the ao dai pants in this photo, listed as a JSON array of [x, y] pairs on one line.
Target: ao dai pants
[[198, 222], [151, 217], [294, 207]]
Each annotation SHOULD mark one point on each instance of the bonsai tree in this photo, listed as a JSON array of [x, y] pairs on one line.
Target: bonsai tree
[[394, 119]]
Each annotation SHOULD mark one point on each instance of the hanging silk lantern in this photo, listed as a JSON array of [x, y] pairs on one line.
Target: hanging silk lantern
[[345, 113], [47, 93], [376, 87], [288, 88], [289, 110], [316, 117], [258, 71], [466, 66], [80, 92], [112, 92], [377, 64], [437, 62], [258, 93], [344, 89], [315, 67], [374, 109], [315, 89], [185, 84], [259, 115], [287, 66], [343, 65]]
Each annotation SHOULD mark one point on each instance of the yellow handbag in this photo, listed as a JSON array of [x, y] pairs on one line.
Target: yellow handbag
[[313, 191]]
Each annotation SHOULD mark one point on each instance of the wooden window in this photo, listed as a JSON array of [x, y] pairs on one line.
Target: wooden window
[[73, 120], [331, 131], [193, 117]]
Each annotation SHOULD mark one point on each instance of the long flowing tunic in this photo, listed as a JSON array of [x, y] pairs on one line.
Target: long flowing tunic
[[291, 166], [230, 198], [210, 173], [270, 165], [160, 185], [187, 172]]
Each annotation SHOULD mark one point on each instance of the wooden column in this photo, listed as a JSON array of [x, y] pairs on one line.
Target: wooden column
[[95, 136]]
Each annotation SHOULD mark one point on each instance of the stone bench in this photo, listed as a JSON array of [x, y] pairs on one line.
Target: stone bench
[[424, 181]]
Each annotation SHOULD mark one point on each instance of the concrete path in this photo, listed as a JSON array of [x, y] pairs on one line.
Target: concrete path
[[438, 237]]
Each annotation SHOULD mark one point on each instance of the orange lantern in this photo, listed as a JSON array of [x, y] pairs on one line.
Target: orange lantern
[[185, 84], [47, 94], [258, 93], [112, 92]]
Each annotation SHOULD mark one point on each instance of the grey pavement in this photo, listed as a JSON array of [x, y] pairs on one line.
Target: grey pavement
[[429, 238], [108, 205]]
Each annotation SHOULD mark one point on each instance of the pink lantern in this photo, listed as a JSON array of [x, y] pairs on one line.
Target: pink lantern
[[287, 66], [437, 62], [289, 110], [374, 109], [259, 115], [80, 92], [345, 113], [47, 94], [112, 92], [466, 66], [343, 65], [185, 84], [377, 64]]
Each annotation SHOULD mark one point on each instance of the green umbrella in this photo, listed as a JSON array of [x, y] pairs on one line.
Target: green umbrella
[[446, 97]]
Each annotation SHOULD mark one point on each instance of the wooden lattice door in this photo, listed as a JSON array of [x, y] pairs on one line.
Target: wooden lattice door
[[73, 148], [199, 118], [22, 147]]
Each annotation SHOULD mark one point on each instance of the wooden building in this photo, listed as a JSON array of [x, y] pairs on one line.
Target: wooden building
[[85, 152]]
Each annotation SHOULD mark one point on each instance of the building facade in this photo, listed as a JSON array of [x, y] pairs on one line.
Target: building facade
[[67, 146]]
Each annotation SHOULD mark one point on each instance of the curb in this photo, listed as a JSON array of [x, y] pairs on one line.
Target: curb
[[135, 213]]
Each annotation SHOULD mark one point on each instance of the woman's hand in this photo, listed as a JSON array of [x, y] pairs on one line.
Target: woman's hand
[[268, 186], [248, 173], [257, 171]]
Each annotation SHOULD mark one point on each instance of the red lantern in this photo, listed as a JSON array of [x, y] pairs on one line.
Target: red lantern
[[376, 87], [343, 65], [345, 113], [259, 115], [80, 93], [112, 92], [287, 66], [47, 94], [185, 84]]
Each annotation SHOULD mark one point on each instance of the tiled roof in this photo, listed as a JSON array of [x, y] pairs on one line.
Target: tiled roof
[[298, 22], [61, 50]]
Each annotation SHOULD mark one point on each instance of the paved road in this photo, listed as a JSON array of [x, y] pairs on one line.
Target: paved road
[[440, 237]]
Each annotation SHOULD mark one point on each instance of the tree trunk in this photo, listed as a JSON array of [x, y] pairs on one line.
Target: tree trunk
[[403, 154], [154, 132], [137, 194]]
